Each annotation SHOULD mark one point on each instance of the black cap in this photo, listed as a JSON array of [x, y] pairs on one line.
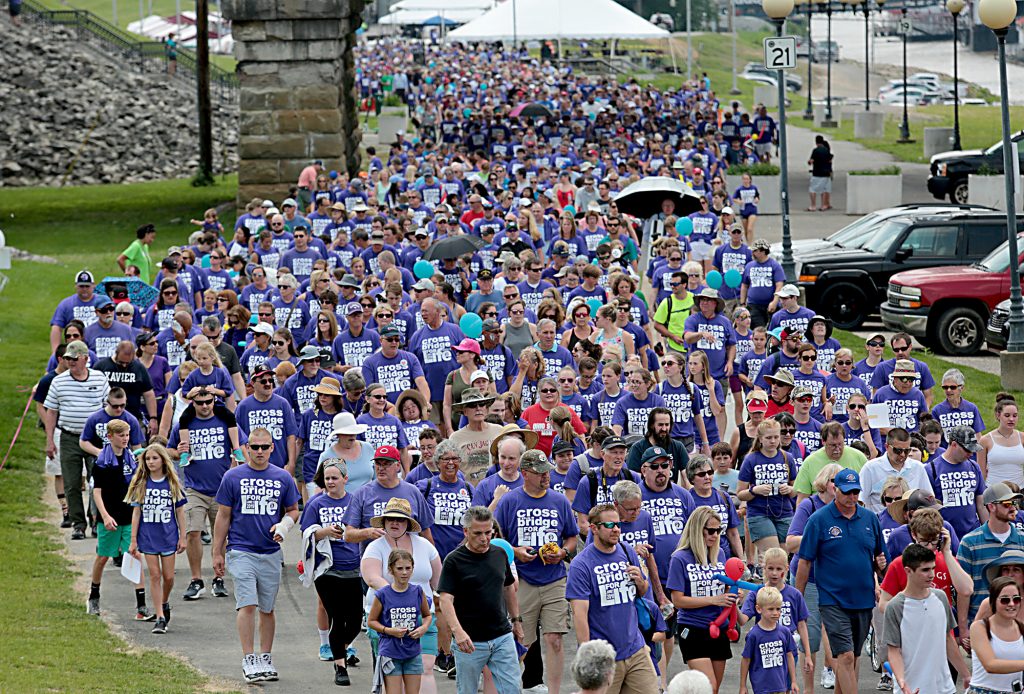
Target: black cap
[[614, 442], [485, 275], [562, 447]]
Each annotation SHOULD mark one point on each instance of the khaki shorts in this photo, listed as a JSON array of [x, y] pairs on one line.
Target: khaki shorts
[[545, 605], [198, 509]]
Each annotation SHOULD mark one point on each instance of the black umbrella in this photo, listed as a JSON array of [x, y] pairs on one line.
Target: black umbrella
[[534, 110], [454, 247], [643, 199]]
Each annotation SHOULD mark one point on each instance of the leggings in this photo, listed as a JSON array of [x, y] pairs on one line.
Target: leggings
[[342, 599]]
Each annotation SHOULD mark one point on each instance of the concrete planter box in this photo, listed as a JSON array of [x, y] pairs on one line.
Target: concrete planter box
[[869, 125], [937, 140], [990, 190], [769, 188], [392, 120], [869, 193]]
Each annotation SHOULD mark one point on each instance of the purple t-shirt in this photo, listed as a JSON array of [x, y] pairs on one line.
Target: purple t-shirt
[[769, 666], [882, 375], [209, 454], [809, 434], [794, 609], [693, 579], [529, 522], [758, 469], [903, 409], [842, 390], [95, 429], [815, 381], [631, 414], [434, 350], [725, 336], [965, 415], [483, 495], [324, 510], [556, 359], [218, 378], [396, 374], [402, 611], [372, 498], [600, 578], [298, 390], [760, 279], [685, 405], [957, 487], [258, 499], [602, 407], [603, 493], [315, 430], [383, 431], [158, 525], [669, 509], [447, 504], [104, 341], [792, 320], [710, 423], [74, 308], [721, 502], [352, 350], [276, 416]]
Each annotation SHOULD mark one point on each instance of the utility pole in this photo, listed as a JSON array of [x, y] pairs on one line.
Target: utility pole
[[204, 176]]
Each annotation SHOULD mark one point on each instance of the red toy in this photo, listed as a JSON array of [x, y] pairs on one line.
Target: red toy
[[734, 569]]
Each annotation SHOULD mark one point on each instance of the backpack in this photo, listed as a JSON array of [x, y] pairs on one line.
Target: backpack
[[592, 476]]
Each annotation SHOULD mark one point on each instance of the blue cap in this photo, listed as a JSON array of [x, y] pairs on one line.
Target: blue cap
[[654, 453], [847, 480]]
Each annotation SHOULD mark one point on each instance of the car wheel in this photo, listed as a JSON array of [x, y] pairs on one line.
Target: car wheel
[[958, 194], [845, 304], [961, 332]]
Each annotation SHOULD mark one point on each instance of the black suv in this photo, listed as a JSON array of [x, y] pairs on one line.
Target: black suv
[[847, 281], [949, 170]]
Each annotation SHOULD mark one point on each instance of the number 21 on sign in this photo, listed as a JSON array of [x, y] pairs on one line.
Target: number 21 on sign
[[780, 53]]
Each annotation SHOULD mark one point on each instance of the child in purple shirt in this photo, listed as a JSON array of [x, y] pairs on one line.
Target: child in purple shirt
[[768, 653], [401, 613]]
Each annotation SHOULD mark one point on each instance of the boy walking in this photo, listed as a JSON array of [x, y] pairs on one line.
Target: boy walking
[[769, 653]]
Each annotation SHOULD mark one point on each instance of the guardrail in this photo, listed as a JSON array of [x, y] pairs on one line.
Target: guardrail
[[141, 55]]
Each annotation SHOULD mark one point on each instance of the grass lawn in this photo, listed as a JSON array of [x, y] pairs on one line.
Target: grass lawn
[[981, 387], [50, 643]]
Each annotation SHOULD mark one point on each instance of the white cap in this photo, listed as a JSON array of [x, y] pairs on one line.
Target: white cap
[[264, 328], [479, 374]]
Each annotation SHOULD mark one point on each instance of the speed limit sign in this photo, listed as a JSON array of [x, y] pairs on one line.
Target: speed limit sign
[[780, 52]]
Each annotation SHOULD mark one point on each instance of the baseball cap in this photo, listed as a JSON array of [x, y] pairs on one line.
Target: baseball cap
[[614, 442], [761, 245], [424, 285], [998, 492], [261, 370], [562, 447], [390, 330], [84, 277], [485, 275], [76, 348], [421, 232], [535, 461], [491, 325], [802, 391], [289, 202], [727, 210], [651, 454], [788, 290], [965, 437], [308, 353], [352, 308], [103, 302], [263, 328], [387, 453], [847, 480]]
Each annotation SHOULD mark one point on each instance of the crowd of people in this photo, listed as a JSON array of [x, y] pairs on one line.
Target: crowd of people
[[487, 451]]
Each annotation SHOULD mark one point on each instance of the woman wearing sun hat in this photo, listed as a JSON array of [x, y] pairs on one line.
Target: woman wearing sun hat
[[358, 456]]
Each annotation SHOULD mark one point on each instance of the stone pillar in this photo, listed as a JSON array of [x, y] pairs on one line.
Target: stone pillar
[[297, 99]]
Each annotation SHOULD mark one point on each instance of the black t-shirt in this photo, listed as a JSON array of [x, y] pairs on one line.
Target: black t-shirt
[[821, 161], [229, 357], [110, 481], [135, 380], [476, 581]]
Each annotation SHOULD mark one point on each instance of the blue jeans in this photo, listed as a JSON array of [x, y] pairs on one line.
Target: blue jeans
[[499, 655]]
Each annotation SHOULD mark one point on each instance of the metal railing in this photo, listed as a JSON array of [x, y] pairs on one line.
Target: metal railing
[[141, 55]]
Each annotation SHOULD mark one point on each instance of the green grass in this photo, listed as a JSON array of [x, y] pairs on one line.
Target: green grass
[[50, 644], [981, 386]]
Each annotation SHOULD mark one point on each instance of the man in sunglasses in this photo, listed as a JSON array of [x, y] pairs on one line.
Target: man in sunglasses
[[896, 461], [833, 450], [906, 403], [394, 368], [265, 408], [484, 292], [884, 373], [94, 434], [104, 335]]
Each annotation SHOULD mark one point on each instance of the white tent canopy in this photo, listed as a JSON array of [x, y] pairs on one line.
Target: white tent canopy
[[417, 17], [438, 5], [558, 19]]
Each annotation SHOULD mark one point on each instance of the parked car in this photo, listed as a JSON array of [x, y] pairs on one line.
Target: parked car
[[949, 170], [917, 95], [947, 308], [820, 51], [803, 49], [849, 284], [997, 332], [794, 83]]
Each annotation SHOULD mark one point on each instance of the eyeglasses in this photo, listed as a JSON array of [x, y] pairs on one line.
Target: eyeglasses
[[904, 379], [675, 259], [203, 403], [323, 320], [116, 405], [875, 343], [787, 432], [900, 451], [106, 309], [1009, 599], [260, 446], [659, 466], [609, 525], [844, 363], [280, 343], [889, 499], [548, 390], [736, 231], [491, 313], [567, 380], [517, 313], [390, 339], [693, 274], [854, 406], [808, 357], [511, 296], [713, 531], [704, 473]]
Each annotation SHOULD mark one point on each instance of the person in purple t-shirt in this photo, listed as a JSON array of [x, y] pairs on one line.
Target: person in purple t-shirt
[[711, 332], [762, 277], [259, 504], [958, 483], [265, 408], [395, 369], [401, 613], [79, 306], [769, 652], [432, 344]]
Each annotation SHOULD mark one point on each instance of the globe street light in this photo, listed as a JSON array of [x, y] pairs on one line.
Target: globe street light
[[777, 11], [955, 7], [998, 15], [828, 122]]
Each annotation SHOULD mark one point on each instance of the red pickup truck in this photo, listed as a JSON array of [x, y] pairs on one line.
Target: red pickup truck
[[947, 308]]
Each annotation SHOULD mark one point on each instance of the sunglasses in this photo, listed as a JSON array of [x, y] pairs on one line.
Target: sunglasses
[[511, 296], [889, 499], [659, 466], [390, 339], [950, 387], [609, 525], [1008, 504], [491, 313], [675, 284], [900, 349], [675, 259], [713, 531], [106, 309], [116, 406], [875, 343], [203, 403], [844, 363], [169, 292], [517, 313], [71, 358], [378, 397], [1009, 599], [323, 320], [385, 315], [548, 390], [808, 357], [280, 343], [260, 446], [787, 432], [900, 451], [904, 379], [704, 473], [857, 407], [265, 381]]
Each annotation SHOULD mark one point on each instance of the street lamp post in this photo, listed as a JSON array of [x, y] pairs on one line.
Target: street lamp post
[[905, 123], [777, 11], [955, 7], [828, 122], [998, 15], [732, 30], [809, 111], [867, 49]]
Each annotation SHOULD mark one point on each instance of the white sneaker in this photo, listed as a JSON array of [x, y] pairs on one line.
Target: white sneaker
[[249, 669], [828, 678], [267, 665], [537, 689]]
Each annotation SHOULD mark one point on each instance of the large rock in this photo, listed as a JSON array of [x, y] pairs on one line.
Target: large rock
[[79, 114]]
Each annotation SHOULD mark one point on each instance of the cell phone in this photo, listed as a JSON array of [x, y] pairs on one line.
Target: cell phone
[[531, 551], [1017, 686]]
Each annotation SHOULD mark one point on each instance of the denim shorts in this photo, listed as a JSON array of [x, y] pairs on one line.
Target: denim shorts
[[813, 617], [428, 644], [765, 526], [406, 666]]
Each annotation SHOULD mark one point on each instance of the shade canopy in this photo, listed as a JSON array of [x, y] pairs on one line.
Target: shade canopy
[[558, 19]]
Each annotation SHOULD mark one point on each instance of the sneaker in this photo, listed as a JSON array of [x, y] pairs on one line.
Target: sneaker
[[828, 678], [218, 590], [161, 626], [341, 677], [66, 523], [118, 560], [884, 683], [144, 615], [351, 659], [195, 589], [451, 673], [205, 537], [325, 653], [92, 530], [78, 534], [443, 663], [266, 663], [92, 606], [250, 669], [537, 689]]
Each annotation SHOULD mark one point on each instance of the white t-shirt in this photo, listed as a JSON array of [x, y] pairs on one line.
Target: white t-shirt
[[422, 554]]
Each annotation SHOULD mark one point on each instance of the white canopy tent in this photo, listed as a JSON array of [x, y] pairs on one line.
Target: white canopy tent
[[422, 16], [537, 20], [446, 5]]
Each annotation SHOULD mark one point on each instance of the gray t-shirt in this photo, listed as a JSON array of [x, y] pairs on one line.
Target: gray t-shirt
[[919, 628]]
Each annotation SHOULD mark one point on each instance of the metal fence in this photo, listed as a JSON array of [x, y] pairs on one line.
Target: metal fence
[[140, 55]]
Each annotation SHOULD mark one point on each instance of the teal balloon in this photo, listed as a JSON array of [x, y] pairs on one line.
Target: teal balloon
[[423, 270], [684, 226], [714, 279], [593, 303], [467, 112], [570, 209], [483, 86], [432, 64], [733, 278], [472, 325]]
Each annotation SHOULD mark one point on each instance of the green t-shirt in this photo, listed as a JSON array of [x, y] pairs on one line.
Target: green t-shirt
[[137, 254], [813, 464], [677, 320]]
